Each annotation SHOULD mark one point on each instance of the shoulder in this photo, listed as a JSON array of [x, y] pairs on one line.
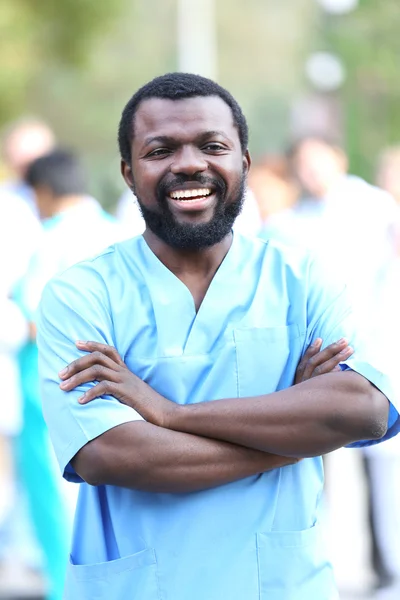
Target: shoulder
[[370, 196], [277, 258], [93, 277]]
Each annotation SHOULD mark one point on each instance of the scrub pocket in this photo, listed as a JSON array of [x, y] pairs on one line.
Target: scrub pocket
[[133, 577], [263, 355], [292, 565]]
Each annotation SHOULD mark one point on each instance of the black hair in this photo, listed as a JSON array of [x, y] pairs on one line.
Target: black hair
[[176, 86], [59, 170]]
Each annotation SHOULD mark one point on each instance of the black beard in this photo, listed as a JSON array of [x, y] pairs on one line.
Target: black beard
[[185, 236]]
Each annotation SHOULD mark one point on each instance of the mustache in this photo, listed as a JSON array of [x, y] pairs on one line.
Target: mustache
[[165, 187]]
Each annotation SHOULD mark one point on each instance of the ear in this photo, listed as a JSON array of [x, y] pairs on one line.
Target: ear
[[126, 172], [246, 161]]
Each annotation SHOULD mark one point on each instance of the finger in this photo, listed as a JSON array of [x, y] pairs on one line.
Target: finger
[[311, 351], [85, 362], [94, 373], [104, 388], [326, 354], [333, 363], [109, 351]]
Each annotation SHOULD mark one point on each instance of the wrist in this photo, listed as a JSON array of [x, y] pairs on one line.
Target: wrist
[[174, 416]]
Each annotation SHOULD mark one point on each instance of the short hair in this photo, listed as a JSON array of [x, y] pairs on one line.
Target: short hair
[[60, 170], [176, 86]]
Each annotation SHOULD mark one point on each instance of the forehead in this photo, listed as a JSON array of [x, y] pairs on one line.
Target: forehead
[[183, 118], [315, 148]]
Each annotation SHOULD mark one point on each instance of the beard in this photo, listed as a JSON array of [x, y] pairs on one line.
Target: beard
[[188, 236]]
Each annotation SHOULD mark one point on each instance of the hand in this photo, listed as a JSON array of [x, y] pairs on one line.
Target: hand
[[318, 362], [103, 364]]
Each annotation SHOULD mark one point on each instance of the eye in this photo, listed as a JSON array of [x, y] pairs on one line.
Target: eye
[[158, 152], [213, 147]]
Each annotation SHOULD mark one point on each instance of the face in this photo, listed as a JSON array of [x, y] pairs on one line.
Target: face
[[44, 200], [188, 170], [27, 144], [317, 166]]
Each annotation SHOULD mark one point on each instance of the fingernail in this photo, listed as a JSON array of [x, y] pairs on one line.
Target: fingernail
[[80, 343], [346, 350], [63, 372], [317, 342], [81, 400], [63, 385], [342, 341]]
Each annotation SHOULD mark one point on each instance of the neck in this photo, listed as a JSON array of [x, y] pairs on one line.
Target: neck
[[185, 263], [65, 202]]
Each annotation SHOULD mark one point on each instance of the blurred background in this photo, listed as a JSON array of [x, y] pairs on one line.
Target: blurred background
[[325, 70], [332, 64]]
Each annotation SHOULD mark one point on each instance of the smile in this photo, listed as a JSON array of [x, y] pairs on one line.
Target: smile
[[194, 194]]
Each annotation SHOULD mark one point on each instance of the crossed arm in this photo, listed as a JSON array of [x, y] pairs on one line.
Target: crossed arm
[[194, 447]]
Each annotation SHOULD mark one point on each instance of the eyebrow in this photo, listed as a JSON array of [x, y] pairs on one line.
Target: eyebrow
[[166, 139]]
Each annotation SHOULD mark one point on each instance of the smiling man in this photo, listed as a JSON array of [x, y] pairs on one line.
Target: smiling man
[[195, 411]]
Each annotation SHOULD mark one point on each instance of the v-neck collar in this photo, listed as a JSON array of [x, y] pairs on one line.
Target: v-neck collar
[[174, 304]]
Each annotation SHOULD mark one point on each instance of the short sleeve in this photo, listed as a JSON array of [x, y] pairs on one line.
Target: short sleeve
[[332, 317], [74, 306]]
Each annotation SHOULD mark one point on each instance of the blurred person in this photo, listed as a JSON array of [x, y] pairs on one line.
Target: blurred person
[[382, 465], [203, 495], [272, 189], [334, 205], [19, 235], [388, 178], [22, 142], [74, 227]]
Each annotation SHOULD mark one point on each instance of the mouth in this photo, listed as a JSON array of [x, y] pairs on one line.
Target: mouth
[[192, 199]]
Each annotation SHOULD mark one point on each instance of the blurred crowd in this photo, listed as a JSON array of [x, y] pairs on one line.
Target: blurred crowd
[[48, 221]]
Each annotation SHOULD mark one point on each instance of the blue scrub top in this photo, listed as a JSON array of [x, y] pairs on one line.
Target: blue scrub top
[[254, 539]]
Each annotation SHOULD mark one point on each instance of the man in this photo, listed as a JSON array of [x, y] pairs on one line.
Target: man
[[335, 204], [59, 185], [58, 182], [189, 433]]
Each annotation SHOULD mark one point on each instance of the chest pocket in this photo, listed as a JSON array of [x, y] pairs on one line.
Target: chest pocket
[[267, 358]]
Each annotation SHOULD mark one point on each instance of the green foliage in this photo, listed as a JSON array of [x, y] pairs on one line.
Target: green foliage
[[65, 29], [34, 32], [368, 41]]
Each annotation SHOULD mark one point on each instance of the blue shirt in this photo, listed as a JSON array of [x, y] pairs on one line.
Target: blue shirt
[[254, 539]]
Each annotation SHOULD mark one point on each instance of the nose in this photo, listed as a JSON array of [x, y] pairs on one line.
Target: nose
[[188, 161]]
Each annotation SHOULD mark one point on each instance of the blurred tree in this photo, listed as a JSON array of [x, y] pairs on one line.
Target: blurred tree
[[368, 41], [32, 32], [262, 49], [75, 63]]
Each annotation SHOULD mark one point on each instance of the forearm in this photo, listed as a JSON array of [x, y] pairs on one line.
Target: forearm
[[309, 419], [146, 457]]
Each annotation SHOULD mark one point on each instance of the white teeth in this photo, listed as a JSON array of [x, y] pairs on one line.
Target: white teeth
[[180, 194]]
